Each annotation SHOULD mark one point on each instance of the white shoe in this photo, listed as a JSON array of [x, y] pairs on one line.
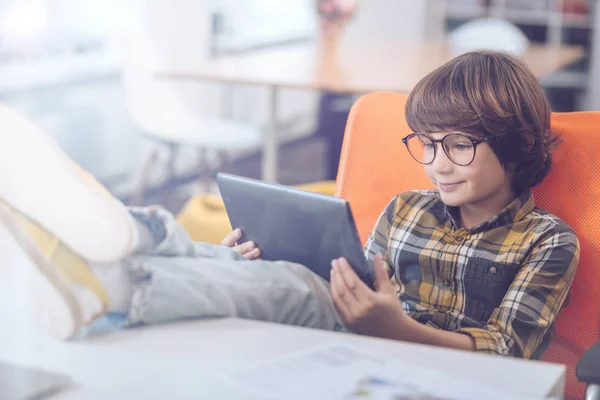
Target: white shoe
[[65, 293], [61, 218], [41, 182]]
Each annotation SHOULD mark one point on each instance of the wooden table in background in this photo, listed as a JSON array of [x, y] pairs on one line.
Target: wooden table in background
[[351, 67]]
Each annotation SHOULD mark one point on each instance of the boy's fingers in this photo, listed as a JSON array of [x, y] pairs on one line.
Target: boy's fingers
[[338, 295], [355, 285], [245, 247], [350, 281], [253, 254], [382, 279], [231, 239], [337, 280], [380, 274]]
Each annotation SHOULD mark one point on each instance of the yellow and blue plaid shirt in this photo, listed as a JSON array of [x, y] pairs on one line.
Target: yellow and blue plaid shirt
[[501, 282]]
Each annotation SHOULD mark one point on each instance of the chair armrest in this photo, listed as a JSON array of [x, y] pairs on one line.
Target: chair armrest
[[588, 368]]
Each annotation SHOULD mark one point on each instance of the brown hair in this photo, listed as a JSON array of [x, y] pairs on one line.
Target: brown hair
[[489, 93]]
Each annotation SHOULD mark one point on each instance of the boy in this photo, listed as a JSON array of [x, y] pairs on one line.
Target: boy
[[478, 266]]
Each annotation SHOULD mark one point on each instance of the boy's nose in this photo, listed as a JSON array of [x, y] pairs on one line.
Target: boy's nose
[[441, 163]]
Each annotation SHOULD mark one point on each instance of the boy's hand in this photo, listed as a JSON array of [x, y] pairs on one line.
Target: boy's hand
[[375, 313], [246, 249]]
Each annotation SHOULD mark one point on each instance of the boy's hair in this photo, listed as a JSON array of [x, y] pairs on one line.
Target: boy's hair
[[489, 93]]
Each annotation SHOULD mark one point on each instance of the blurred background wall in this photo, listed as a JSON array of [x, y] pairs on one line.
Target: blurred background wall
[[61, 63]]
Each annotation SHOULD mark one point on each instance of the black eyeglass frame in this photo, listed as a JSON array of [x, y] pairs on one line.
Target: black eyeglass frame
[[475, 143]]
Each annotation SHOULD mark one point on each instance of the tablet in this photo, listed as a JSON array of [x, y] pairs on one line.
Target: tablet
[[290, 224]]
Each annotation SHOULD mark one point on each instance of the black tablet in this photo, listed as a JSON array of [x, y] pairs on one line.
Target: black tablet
[[290, 224]]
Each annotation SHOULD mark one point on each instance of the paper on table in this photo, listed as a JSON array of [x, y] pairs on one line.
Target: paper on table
[[339, 370]]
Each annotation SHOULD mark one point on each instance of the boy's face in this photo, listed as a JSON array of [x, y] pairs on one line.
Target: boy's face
[[483, 182]]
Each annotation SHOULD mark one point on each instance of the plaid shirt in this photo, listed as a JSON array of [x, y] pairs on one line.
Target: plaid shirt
[[501, 282]]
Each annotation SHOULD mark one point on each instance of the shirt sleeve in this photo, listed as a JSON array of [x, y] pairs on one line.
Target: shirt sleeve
[[534, 298], [377, 243]]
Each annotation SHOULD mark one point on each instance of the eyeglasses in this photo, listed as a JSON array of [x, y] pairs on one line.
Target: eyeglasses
[[459, 148]]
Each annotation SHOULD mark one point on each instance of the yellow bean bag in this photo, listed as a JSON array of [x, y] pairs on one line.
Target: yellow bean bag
[[205, 219]]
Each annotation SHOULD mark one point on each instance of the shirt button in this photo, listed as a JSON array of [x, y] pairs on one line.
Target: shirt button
[[447, 282]]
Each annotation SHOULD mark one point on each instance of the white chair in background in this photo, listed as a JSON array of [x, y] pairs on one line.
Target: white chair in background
[[489, 34], [164, 117]]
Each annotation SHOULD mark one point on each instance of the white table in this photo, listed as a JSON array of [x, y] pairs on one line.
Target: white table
[[185, 360]]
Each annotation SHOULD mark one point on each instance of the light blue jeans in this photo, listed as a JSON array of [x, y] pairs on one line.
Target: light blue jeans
[[175, 278]]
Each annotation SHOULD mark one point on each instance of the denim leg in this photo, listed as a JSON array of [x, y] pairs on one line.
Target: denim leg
[[171, 240], [178, 279]]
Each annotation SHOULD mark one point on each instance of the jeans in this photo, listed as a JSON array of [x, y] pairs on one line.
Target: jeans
[[175, 278]]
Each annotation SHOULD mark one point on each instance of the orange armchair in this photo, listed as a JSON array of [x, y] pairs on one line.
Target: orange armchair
[[375, 166]]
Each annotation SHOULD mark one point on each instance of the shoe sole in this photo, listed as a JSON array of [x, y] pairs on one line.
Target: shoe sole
[[58, 310], [39, 180]]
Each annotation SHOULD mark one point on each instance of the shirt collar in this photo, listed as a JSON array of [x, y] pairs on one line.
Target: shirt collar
[[517, 209]]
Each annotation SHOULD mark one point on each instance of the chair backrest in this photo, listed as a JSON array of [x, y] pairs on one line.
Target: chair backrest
[[375, 166], [159, 107], [145, 94]]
